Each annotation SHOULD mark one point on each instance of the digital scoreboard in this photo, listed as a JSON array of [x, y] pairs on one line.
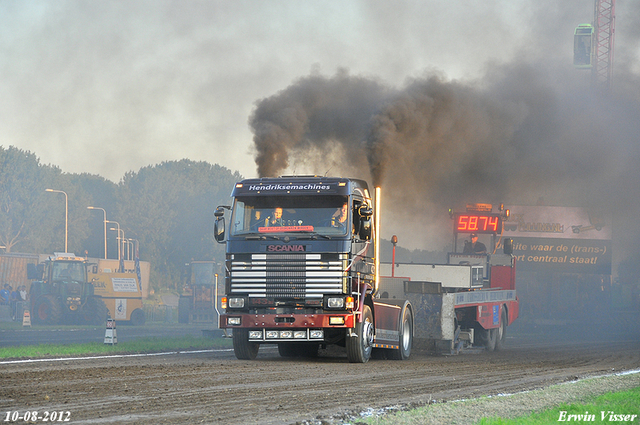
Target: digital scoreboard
[[477, 222]]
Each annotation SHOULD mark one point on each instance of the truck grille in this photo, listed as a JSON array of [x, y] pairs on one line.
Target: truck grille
[[290, 275]]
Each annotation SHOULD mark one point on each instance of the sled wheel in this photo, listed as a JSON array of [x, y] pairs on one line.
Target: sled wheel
[[502, 330]]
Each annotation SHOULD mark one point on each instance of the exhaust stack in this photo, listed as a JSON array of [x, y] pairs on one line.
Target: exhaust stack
[[376, 239]]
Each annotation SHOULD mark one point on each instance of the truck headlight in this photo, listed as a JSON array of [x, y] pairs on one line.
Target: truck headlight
[[316, 334], [235, 302], [234, 321], [335, 302]]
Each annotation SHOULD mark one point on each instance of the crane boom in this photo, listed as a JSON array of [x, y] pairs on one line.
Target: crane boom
[[604, 23]]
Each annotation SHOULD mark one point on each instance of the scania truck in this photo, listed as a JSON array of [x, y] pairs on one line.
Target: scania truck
[[303, 271]]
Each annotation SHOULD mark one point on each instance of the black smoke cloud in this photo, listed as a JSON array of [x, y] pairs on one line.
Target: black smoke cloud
[[312, 115], [520, 134]]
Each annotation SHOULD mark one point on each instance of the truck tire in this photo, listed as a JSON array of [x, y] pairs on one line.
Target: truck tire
[[243, 349], [406, 337], [47, 310], [490, 339], [502, 330], [137, 317], [360, 344], [94, 312]]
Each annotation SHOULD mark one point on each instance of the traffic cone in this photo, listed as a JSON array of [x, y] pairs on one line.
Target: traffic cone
[[26, 318], [110, 334]]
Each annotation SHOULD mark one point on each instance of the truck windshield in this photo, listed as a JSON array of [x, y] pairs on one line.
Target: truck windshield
[[324, 215]]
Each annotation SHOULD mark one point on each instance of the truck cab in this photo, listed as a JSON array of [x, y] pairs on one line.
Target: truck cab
[[299, 262]]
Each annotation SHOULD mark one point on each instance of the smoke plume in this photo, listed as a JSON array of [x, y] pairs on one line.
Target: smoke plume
[[519, 135]]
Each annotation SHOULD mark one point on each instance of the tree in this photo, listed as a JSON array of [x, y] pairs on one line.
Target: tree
[[24, 222], [169, 208]]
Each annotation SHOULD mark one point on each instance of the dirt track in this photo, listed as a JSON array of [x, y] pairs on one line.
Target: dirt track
[[216, 388]]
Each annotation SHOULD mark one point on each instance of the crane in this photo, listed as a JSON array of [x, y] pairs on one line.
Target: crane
[[593, 45]]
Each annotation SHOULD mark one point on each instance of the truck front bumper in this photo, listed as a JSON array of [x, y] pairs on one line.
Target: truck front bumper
[[288, 321]]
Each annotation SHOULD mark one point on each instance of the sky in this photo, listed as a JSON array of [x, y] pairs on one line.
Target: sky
[[111, 87]]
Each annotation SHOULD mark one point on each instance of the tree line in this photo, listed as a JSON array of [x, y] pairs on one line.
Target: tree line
[[167, 207]]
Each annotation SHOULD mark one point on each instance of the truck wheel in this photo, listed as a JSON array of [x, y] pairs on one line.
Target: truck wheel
[[502, 330], [406, 337], [137, 317], [243, 349], [359, 345], [94, 312], [47, 310]]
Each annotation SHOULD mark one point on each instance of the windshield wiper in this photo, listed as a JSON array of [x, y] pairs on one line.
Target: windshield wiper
[[309, 234], [262, 237]]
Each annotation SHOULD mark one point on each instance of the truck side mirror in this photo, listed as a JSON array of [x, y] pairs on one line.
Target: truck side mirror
[[508, 246], [365, 213], [218, 225], [218, 229]]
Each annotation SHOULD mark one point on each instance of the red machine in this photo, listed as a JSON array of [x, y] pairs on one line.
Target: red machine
[[470, 300]]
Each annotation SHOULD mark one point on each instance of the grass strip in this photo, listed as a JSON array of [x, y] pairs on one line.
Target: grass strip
[[141, 345], [615, 407], [517, 408]]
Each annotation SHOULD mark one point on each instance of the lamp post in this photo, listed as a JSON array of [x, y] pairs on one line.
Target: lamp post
[[105, 227], [66, 215], [130, 248], [118, 237]]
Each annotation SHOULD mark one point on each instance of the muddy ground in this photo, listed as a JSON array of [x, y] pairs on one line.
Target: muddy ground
[[214, 387]]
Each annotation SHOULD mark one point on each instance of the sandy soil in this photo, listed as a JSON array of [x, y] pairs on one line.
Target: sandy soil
[[214, 387]]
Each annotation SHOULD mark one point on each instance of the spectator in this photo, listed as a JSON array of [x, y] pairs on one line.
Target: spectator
[[5, 293], [14, 297], [23, 293]]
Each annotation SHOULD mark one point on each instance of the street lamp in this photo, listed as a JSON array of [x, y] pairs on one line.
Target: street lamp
[[129, 248], [105, 227], [118, 237], [66, 215]]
